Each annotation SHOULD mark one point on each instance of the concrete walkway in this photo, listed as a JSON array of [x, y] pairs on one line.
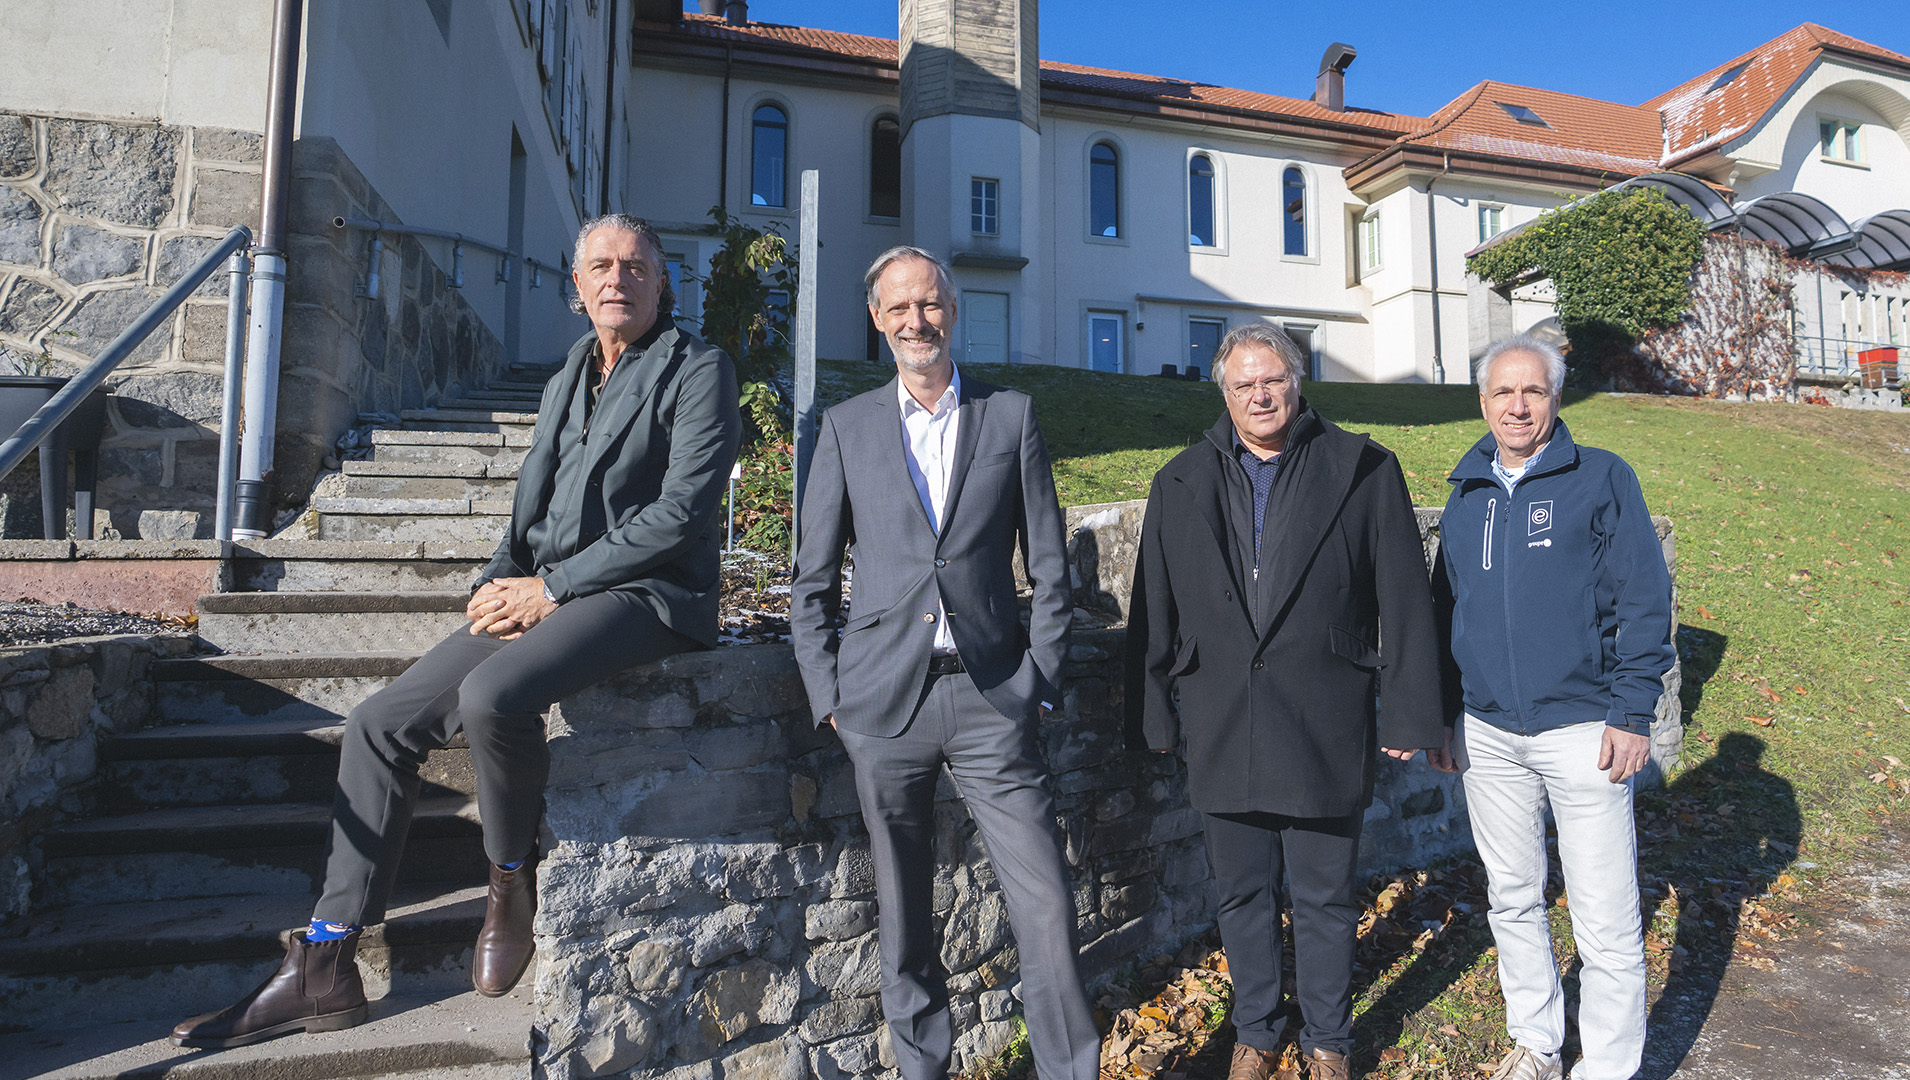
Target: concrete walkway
[[1835, 1007]]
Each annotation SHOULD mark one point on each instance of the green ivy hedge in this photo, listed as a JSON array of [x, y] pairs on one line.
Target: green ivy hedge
[[1621, 262]]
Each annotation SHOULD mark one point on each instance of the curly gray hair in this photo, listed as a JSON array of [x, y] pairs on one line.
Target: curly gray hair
[[666, 296], [1267, 336]]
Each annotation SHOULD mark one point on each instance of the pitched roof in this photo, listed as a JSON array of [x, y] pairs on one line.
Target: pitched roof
[[1060, 76], [1557, 128], [1701, 114]]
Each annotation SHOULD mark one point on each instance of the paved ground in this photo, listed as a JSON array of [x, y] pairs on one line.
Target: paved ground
[[1835, 1007]]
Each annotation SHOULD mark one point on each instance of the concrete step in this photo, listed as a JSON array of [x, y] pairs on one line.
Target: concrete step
[[401, 459], [437, 526], [346, 566], [525, 399], [310, 689], [271, 850], [465, 488], [420, 418], [329, 622], [411, 1036], [172, 959], [448, 437], [383, 506]]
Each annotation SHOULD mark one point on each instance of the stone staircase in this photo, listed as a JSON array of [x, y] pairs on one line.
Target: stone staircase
[[207, 846]]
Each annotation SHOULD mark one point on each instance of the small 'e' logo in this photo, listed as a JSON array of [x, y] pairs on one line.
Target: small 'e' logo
[[1539, 519]]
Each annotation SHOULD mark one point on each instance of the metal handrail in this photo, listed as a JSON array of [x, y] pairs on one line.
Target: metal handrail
[[61, 405], [456, 277]]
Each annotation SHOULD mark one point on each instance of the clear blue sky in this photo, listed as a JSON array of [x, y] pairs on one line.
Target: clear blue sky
[[1409, 61]]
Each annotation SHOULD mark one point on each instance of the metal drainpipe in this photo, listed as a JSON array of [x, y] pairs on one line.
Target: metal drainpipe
[[610, 104], [253, 519], [723, 136], [1432, 243]]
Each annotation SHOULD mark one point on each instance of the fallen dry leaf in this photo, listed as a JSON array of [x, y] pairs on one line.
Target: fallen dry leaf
[[1760, 721]]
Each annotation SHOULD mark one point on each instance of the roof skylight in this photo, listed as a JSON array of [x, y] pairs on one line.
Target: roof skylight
[[1724, 79], [1523, 115]]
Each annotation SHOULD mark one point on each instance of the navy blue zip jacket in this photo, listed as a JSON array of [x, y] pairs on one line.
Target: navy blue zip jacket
[[1556, 595]]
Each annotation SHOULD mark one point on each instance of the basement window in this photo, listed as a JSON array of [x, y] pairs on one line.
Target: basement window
[[1523, 115]]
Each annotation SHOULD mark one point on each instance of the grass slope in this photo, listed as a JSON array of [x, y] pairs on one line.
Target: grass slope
[[1793, 527]]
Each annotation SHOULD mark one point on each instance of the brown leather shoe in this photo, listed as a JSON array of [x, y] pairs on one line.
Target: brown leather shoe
[[1251, 1064], [1326, 1065], [317, 988], [505, 944]]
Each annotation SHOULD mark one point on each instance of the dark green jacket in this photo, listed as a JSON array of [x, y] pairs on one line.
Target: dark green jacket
[[662, 446]]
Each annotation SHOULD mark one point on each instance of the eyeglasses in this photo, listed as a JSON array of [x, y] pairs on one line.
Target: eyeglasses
[[1247, 391]]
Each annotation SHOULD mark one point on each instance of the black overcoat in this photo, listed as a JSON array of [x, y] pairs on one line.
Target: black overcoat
[[1284, 720]]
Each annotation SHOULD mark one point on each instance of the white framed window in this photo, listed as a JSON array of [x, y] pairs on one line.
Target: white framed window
[[1840, 140], [1107, 341], [1293, 211], [1370, 257], [768, 155], [885, 168], [1104, 190], [1491, 221], [1306, 335], [984, 206], [1203, 340], [1203, 214]]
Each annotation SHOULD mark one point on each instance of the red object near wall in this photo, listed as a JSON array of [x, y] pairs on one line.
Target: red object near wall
[[1877, 368]]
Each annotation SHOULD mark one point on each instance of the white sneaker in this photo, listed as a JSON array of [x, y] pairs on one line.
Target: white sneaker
[[1523, 1064]]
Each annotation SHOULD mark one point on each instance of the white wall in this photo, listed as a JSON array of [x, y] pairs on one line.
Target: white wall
[[1880, 182], [428, 119], [186, 62]]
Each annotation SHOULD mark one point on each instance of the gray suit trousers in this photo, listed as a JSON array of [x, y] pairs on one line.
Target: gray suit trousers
[[997, 767], [496, 692]]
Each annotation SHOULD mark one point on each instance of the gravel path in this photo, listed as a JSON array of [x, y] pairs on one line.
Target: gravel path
[[37, 624]]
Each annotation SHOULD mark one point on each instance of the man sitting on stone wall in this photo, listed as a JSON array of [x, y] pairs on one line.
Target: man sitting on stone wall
[[611, 561]]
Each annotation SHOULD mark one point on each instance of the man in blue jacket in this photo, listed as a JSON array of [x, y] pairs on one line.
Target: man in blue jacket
[[1559, 609]]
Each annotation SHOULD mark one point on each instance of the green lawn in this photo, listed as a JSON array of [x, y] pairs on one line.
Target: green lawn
[[1793, 527]]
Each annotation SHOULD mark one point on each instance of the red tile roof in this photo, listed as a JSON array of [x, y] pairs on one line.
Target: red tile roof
[[1122, 84], [1698, 118], [1578, 131]]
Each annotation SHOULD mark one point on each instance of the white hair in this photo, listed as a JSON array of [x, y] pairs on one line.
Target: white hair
[[1268, 336], [1531, 345]]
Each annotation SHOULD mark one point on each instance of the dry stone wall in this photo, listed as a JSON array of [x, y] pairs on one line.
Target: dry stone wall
[[98, 217], [57, 703]]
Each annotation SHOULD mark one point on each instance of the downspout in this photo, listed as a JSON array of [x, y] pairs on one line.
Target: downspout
[[723, 138], [610, 104], [1432, 244], [253, 519]]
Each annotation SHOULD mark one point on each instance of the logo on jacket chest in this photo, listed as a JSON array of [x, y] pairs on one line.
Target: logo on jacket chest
[[1538, 519]]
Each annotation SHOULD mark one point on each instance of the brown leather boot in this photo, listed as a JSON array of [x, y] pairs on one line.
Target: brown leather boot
[[317, 988], [1251, 1064], [505, 944], [1326, 1065]]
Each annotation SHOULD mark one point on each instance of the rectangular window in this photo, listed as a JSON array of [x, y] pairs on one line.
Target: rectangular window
[[984, 207], [1303, 337], [1104, 341], [1840, 140], [1369, 244], [1203, 338], [1491, 221]]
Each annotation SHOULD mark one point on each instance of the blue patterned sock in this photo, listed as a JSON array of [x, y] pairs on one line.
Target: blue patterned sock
[[510, 865], [329, 931]]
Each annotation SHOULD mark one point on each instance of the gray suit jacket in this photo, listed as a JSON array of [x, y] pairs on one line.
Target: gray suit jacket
[[661, 451], [868, 668]]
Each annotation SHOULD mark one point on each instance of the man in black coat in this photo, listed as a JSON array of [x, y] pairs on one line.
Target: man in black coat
[[1280, 584]]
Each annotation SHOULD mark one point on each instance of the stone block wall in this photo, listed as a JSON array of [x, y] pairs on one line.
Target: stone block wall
[[98, 217], [57, 702]]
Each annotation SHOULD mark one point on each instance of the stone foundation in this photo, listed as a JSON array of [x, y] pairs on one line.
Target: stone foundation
[[98, 217], [57, 702]]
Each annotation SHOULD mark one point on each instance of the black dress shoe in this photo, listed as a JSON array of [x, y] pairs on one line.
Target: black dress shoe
[[505, 944], [317, 988]]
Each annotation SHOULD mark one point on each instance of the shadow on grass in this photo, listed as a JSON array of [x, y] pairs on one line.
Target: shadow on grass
[[1700, 651], [1743, 827]]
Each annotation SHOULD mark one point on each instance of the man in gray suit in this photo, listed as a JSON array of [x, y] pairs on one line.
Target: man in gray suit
[[930, 482], [611, 561]]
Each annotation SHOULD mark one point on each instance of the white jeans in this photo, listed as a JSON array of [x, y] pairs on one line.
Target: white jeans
[[1509, 779]]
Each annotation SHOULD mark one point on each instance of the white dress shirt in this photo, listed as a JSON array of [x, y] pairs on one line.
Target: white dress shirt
[[928, 445]]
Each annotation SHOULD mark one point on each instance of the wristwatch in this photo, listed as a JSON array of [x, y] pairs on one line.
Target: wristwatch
[[548, 595]]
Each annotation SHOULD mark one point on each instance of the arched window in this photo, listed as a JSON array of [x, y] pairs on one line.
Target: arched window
[[1104, 191], [1200, 202], [885, 168], [1293, 202], [769, 151]]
